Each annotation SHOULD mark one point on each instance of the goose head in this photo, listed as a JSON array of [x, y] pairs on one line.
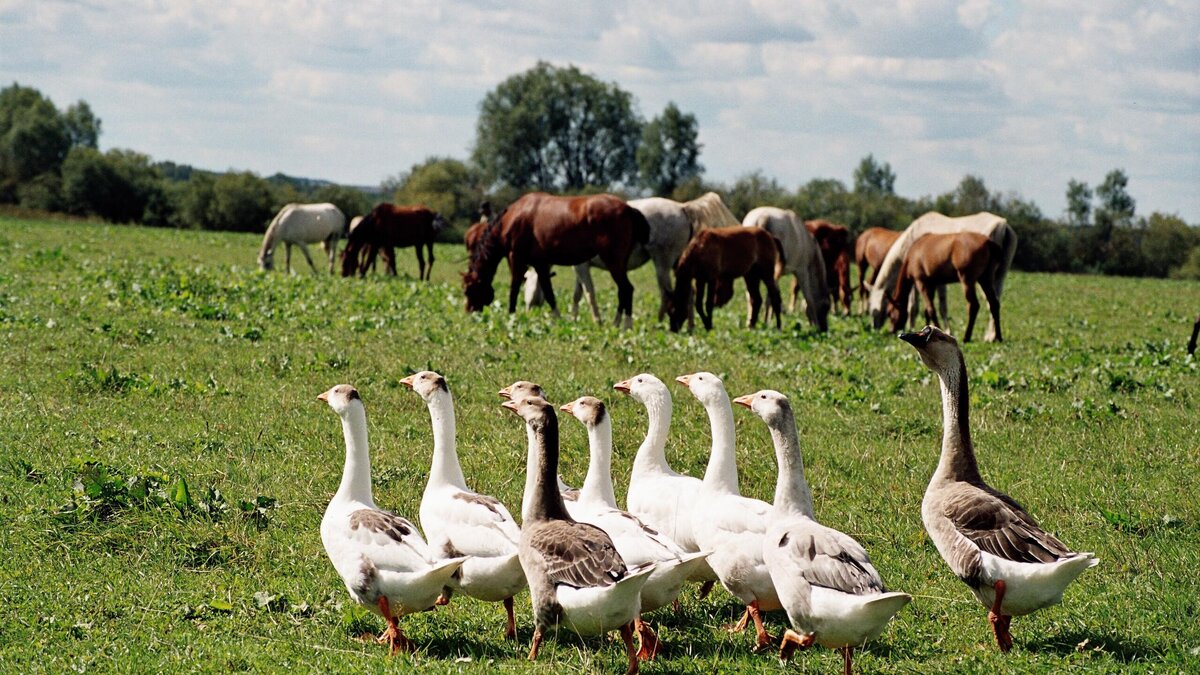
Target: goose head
[[938, 349], [587, 409], [426, 383], [768, 404], [643, 388], [342, 398], [706, 387], [521, 389], [536, 412]]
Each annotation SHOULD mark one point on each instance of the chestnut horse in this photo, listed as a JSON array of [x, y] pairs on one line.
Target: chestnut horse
[[540, 230], [384, 229], [870, 249], [713, 260], [834, 241], [938, 259]]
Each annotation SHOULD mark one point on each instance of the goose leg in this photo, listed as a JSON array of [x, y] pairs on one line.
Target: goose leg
[[741, 624], [444, 598], [648, 645], [763, 640], [705, 589], [510, 632], [537, 642], [791, 642], [392, 635], [999, 621], [627, 638], [847, 658]]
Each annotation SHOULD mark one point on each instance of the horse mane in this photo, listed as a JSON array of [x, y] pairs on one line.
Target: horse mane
[[487, 245], [273, 230], [708, 211]]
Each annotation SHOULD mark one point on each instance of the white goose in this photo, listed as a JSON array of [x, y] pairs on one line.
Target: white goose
[[637, 543], [726, 523], [459, 521], [386, 565], [576, 576], [526, 389], [658, 495], [1011, 565], [825, 580]]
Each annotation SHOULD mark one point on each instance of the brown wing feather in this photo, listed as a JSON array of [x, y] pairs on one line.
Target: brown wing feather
[[998, 525], [577, 554], [834, 560]]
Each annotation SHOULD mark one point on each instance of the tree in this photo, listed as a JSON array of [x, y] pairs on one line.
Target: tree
[[33, 138], [1167, 243], [117, 186], [241, 201], [557, 129], [755, 189], [1116, 205], [1079, 203], [972, 196], [83, 127], [872, 177], [350, 200], [823, 198], [448, 186], [669, 153]]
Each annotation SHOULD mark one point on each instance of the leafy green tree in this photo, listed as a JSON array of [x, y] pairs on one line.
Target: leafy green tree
[[241, 201], [116, 186], [1166, 243], [1079, 204], [871, 177], [448, 186], [755, 189], [350, 200], [669, 153], [83, 127], [1116, 205], [33, 138], [1190, 269], [195, 200], [558, 129]]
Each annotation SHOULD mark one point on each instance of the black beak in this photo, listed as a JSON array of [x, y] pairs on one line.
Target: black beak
[[918, 340]]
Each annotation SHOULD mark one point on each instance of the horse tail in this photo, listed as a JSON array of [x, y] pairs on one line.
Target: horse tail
[[641, 226], [780, 258]]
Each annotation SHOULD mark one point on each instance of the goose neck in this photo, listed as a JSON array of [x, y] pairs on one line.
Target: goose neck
[[356, 476], [597, 487], [542, 500], [957, 461], [792, 495], [445, 469], [651, 455], [721, 472]]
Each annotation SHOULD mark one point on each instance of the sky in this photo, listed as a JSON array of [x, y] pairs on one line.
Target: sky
[[1026, 95]]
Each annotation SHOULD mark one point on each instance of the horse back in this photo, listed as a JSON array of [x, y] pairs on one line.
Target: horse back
[[569, 230]]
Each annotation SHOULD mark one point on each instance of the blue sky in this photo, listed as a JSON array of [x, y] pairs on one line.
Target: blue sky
[[1025, 95]]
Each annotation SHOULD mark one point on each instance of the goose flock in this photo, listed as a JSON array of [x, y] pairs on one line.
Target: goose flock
[[592, 567]]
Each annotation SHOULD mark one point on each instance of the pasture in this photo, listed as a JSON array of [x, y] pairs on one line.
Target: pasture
[[165, 465]]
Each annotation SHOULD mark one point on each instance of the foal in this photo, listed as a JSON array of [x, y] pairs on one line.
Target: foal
[[714, 259], [938, 259]]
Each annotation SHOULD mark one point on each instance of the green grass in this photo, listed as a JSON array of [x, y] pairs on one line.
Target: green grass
[[134, 358]]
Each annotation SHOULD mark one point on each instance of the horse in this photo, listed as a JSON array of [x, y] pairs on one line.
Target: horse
[[298, 225], [672, 226], [802, 258], [834, 241], [938, 259], [713, 260], [386, 227], [994, 227], [1191, 346], [540, 230], [870, 249]]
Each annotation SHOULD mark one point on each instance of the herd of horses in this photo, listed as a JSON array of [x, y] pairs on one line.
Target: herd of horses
[[699, 243]]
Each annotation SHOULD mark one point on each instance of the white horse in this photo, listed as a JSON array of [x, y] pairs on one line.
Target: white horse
[[801, 257], [994, 227], [301, 224], [672, 226]]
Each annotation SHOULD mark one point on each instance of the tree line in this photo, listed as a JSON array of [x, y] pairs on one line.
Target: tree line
[[560, 130]]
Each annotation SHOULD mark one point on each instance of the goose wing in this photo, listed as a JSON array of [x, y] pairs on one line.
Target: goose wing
[[576, 554], [389, 541], [997, 524], [473, 523], [826, 557]]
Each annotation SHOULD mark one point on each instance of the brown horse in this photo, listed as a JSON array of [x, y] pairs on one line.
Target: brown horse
[[540, 230], [713, 260], [938, 259], [834, 241], [869, 250], [384, 229]]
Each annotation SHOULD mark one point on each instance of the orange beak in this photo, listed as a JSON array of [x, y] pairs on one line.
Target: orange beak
[[407, 381], [622, 386], [685, 380], [568, 408], [744, 400], [510, 404], [323, 396], [505, 393]]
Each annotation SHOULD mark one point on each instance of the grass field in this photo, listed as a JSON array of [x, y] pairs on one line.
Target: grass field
[[164, 463]]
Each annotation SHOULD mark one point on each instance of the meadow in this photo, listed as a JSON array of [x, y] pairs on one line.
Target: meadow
[[164, 462]]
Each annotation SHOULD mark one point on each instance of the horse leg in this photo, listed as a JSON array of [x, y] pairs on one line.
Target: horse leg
[[795, 292], [774, 301], [420, 262], [429, 275], [287, 256], [709, 300], [863, 289], [543, 272], [972, 305], [993, 301], [304, 250], [518, 268], [662, 272], [585, 287], [941, 295], [926, 292], [624, 297], [754, 300]]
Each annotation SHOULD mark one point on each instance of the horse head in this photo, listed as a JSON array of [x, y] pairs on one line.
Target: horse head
[[350, 258], [266, 259], [479, 293], [439, 223], [896, 312]]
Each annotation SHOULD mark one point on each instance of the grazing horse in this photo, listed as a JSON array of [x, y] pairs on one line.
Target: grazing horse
[[834, 241], [802, 258], [540, 230], [301, 224], [672, 226], [938, 259], [713, 260], [994, 227], [384, 229], [870, 249]]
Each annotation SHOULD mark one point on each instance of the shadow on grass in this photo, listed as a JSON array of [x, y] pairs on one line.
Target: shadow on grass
[[1121, 648]]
